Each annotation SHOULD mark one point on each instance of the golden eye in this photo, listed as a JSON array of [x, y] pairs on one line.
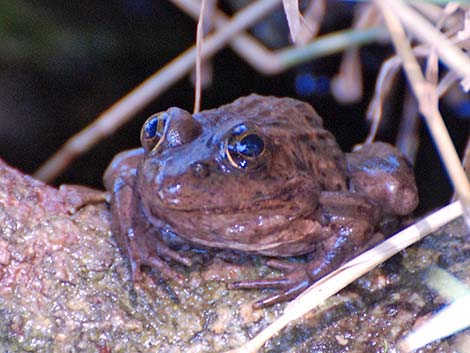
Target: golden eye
[[245, 147], [152, 131]]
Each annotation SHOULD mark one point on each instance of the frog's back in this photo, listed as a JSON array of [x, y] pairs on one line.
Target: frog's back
[[293, 127]]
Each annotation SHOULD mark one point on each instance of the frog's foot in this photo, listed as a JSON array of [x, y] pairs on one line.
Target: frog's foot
[[158, 261], [78, 196], [290, 285]]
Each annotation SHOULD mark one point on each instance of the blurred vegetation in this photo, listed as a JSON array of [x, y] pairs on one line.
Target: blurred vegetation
[[32, 34]]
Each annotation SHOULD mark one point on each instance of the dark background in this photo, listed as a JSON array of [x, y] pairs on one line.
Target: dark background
[[63, 63]]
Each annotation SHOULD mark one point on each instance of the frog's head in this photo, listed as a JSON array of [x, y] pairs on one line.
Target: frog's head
[[241, 171]]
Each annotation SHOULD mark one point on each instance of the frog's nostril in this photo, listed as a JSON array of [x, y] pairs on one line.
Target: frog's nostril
[[200, 170]]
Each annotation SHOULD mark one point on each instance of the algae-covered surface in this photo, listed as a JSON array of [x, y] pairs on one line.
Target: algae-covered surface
[[65, 287]]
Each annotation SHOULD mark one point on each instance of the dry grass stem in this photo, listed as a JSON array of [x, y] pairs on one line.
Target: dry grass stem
[[125, 108], [390, 67], [426, 95], [347, 85], [434, 12], [243, 44], [385, 79], [466, 158], [312, 18], [432, 68], [446, 82], [407, 140], [207, 70], [330, 44], [448, 320], [464, 34], [274, 62], [387, 74], [451, 55], [199, 43], [291, 9], [453, 318], [449, 10], [366, 15], [445, 284], [465, 162], [337, 280]]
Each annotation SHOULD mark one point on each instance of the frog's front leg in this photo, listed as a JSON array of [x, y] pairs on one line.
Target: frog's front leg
[[136, 237], [348, 223]]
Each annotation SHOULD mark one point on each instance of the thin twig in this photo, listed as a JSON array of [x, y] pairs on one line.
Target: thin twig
[[347, 85], [123, 110], [337, 280], [446, 82], [331, 43], [273, 62], [408, 140], [424, 31], [434, 14], [383, 84], [199, 43], [291, 9], [243, 44], [312, 18], [389, 70], [385, 78], [465, 163]]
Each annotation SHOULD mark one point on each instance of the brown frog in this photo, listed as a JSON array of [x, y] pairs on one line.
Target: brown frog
[[260, 175]]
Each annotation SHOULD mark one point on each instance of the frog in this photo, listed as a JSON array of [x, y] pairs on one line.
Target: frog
[[261, 176]]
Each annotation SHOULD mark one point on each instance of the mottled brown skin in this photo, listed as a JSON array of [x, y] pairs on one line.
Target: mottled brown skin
[[300, 195]]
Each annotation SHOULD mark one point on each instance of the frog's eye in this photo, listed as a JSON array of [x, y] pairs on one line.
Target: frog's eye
[[152, 131], [245, 147]]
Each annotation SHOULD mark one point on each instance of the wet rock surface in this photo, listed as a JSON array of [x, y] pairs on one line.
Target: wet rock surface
[[65, 287]]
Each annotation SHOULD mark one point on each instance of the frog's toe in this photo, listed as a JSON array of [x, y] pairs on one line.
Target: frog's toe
[[164, 269], [276, 282], [289, 285], [288, 289], [283, 295], [164, 250], [77, 196], [283, 265]]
